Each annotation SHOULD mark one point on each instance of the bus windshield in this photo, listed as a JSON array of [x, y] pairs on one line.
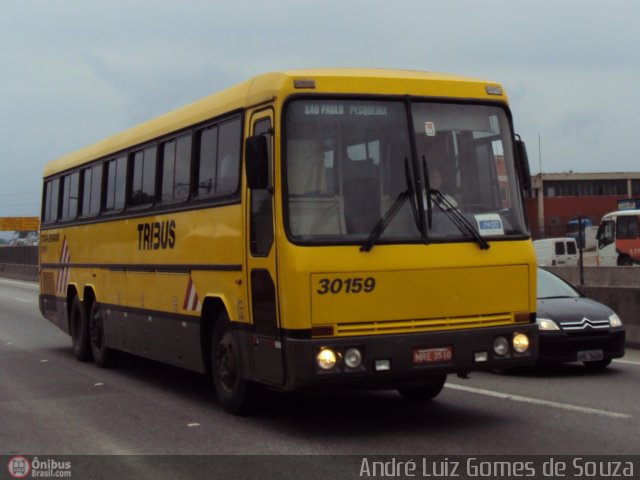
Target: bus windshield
[[348, 163]]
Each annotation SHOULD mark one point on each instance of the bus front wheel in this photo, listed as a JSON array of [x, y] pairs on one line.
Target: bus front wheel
[[226, 368], [425, 391], [79, 331]]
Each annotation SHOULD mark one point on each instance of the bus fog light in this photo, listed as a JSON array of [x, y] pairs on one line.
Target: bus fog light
[[353, 358], [480, 357], [520, 342], [326, 358], [501, 346], [383, 365]]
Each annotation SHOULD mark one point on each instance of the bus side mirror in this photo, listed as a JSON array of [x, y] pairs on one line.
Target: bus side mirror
[[257, 162], [523, 161]]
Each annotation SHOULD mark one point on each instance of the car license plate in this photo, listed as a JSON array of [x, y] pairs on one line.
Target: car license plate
[[432, 355], [590, 355]]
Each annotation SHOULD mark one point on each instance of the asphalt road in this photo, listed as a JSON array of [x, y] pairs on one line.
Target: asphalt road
[[52, 404]]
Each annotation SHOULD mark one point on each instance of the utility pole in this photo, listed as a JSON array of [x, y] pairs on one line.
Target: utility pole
[[581, 247], [541, 225]]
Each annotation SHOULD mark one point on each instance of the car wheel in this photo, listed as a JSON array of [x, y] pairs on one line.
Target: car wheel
[[79, 331], [423, 392]]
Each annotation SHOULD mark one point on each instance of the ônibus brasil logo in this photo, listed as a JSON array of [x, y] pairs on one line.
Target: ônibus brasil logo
[[19, 467]]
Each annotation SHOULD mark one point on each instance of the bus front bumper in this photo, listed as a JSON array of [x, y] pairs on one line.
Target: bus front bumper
[[391, 361]]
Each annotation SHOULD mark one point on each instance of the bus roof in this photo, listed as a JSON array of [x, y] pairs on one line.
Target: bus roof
[[268, 86], [621, 213]]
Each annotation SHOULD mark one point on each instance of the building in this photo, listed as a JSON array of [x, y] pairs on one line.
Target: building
[[557, 198]]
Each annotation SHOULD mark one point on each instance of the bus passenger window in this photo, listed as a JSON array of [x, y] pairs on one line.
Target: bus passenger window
[[627, 227], [143, 186], [176, 169], [116, 178], [92, 178], [207, 162], [51, 196], [70, 196], [219, 159], [228, 175]]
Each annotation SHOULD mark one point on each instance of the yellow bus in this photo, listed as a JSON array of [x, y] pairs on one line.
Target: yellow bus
[[329, 227]]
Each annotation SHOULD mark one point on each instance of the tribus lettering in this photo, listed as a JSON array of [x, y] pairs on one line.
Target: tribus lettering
[[156, 235]]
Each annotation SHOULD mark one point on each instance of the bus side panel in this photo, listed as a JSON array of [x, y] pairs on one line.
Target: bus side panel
[[167, 338]]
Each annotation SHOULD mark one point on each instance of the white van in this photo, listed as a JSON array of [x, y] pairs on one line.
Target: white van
[[552, 252]]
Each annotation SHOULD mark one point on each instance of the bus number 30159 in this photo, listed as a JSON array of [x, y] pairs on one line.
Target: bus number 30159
[[347, 285]]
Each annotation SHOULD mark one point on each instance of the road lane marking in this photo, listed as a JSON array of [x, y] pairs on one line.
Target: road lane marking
[[627, 362], [194, 424], [10, 281], [538, 401], [24, 300]]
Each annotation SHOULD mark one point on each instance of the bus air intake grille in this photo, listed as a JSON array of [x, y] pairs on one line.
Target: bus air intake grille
[[422, 325], [48, 284]]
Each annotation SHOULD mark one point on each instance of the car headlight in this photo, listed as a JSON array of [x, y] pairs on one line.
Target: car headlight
[[546, 324], [614, 320]]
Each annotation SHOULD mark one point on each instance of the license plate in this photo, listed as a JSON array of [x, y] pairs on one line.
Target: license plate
[[432, 355], [590, 355]]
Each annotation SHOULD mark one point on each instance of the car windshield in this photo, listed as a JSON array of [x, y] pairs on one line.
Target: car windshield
[[355, 172], [552, 286]]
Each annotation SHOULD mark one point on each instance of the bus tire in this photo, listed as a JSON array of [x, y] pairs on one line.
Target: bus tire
[[232, 389], [103, 356], [425, 391], [625, 261], [79, 328]]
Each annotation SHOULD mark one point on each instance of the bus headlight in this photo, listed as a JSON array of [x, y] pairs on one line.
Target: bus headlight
[[520, 342], [352, 357], [501, 346], [326, 358]]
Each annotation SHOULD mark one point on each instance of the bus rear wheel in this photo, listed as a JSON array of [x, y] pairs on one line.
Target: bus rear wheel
[[79, 331], [232, 388], [425, 391], [103, 356], [625, 261]]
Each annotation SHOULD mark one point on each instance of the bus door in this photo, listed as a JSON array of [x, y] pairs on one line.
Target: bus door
[[266, 346]]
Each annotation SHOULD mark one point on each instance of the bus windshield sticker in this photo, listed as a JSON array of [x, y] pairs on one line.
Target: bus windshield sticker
[[430, 129], [490, 224]]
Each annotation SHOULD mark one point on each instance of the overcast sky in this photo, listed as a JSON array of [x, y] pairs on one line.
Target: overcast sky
[[76, 71]]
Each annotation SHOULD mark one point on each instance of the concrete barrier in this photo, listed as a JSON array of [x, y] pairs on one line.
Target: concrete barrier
[[19, 272], [616, 287]]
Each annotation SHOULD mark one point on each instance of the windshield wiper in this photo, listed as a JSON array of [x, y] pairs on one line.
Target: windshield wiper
[[395, 207], [384, 222], [457, 218]]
